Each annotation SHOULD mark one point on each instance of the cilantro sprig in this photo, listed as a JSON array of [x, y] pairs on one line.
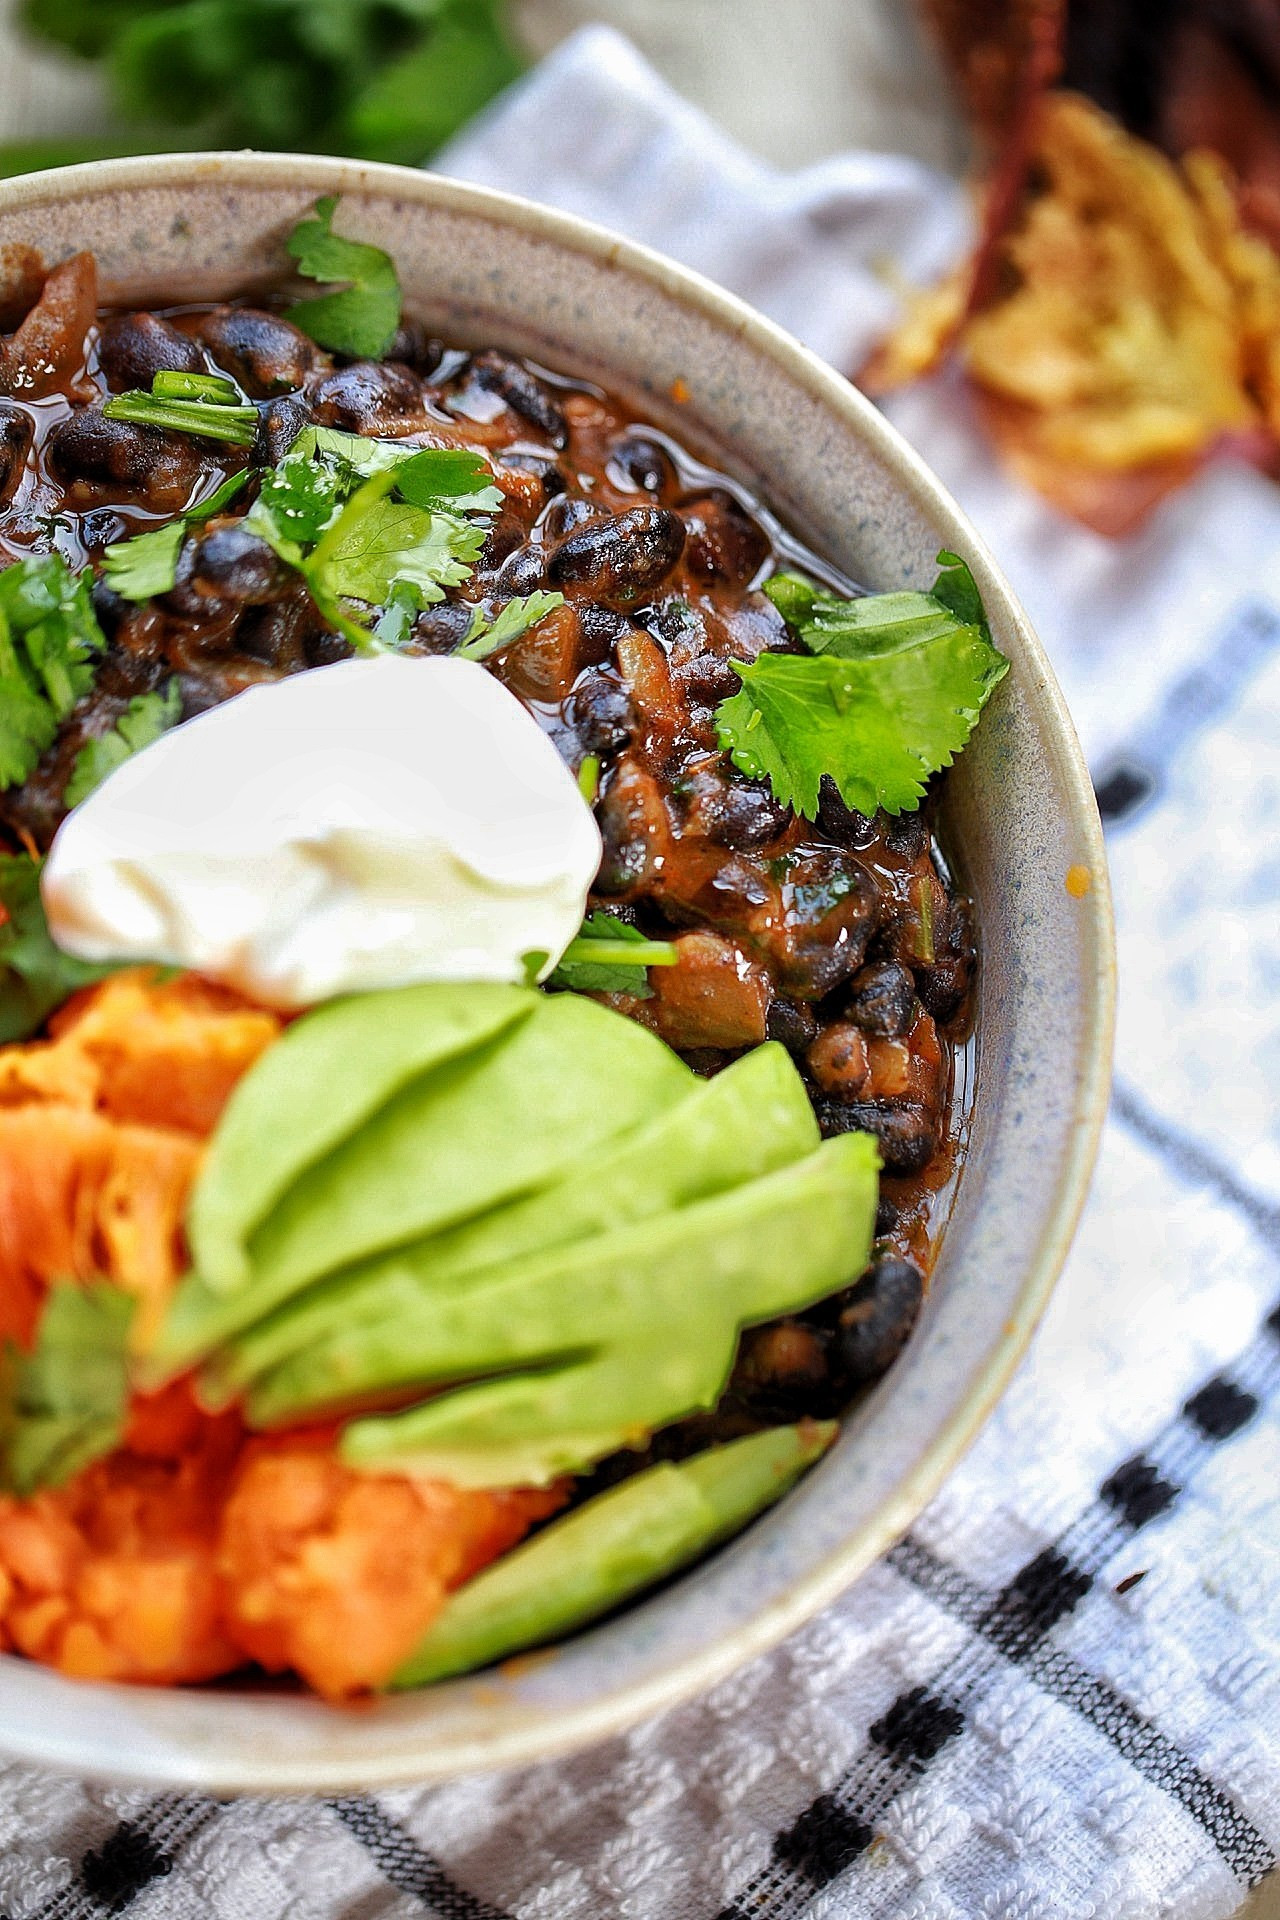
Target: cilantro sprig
[[64, 1404], [393, 530], [362, 316], [147, 716], [609, 956], [888, 693], [35, 976], [49, 640], [205, 404]]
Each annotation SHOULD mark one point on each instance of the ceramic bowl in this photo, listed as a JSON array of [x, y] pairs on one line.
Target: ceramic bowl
[[1020, 813]]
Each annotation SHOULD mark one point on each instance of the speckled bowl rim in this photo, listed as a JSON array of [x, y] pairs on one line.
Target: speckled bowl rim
[[231, 1765]]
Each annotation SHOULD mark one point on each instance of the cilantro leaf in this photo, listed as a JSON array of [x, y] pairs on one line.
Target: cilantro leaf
[[485, 636], [49, 637], [35, 976], [64, 1404], [295, 503], [147, 716], [146, 564], [390, 543], [447, 480], [361, 319], [363, 455], [889, 693], [609, 956], [394, 629]]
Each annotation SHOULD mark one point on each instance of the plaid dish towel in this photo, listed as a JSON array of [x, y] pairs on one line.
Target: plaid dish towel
[[1060, 1695]]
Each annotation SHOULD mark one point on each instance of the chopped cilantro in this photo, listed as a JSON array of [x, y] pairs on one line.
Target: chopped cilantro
[[213, 387], [63, 1404], [147, 564], [210, 419], [888, 694], [359, 319], [295, 503], [485, 636], [35, 976], [222, 495], [49, 636], [447, 480], [147, 716], [394, 628], [608, 956]]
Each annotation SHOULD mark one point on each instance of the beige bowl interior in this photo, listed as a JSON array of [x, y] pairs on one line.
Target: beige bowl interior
[[484, 267]]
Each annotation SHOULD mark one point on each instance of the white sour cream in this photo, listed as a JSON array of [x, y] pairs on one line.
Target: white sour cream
[[369, 824]]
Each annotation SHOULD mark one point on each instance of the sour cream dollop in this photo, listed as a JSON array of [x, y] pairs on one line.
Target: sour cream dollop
[[369, 824]]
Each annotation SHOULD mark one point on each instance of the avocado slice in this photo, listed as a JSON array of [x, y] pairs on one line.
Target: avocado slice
[[590, 1347], [504, 1118], [322, 1080], [749, 1120], [498, 1121], [610, 1549]]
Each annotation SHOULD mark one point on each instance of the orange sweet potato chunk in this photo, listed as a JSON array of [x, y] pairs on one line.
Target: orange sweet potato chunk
[[336, 1574]]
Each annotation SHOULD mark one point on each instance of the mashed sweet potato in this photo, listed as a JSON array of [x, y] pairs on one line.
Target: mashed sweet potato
[[195, 1547]]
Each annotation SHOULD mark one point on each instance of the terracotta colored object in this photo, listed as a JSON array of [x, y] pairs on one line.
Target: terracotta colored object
[[1020, 816]]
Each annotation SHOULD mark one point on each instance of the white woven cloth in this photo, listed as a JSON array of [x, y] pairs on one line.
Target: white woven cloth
[[1060, 1696]]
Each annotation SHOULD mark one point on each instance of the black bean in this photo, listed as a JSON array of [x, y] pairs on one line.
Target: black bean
[[442, 628], [135, 347], [944, 988], [877, 1317], [906, 833], [908, 1140], [887, 1217], [521, 572], [745, 816], [264, 352], [523, 392], [554, 479], [708, 678], [599, 630], [792, 1022], [17, 432], [278, 635], [639, 463], [101, 527], [502, 539], [323, 648], [368, 397], [159, 467], [724, 542], [782, 1372], [601, 712], [564, 515], [840, 823], [882, 999], [623, 556], [109, 606], [416, 346], [280, 421], [233, 564]]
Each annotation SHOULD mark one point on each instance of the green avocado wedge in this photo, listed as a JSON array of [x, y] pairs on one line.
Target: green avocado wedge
[[547, 1091], [309, 1092], [498, 1121], [610, 1549], [568, 1356], [751, 1119]]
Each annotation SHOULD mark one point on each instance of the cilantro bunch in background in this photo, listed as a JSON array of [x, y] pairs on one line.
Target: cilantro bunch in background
[[378, 79]]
